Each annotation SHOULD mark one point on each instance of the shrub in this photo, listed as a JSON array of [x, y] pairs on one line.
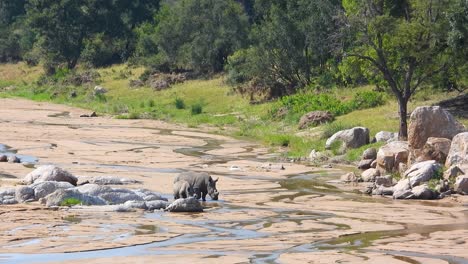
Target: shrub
[[180, 104], [70, 202], [151, 103], [367, 99], [197, 109]]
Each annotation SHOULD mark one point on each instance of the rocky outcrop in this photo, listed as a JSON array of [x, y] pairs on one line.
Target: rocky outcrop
[[385, 136], [24, 193], [430, 121], [422, 192], [458, 154], [315, 118], [64, 197], [461, 184], [351, 138], [453, 172], [402, 190], [50, 173], [423, 172], [391, 155], [185, 205], [111, 180], [42, 189], [365, 164], [435, 149]]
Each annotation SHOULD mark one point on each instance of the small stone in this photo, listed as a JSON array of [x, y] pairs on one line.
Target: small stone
[[370, 153], [369, 175], [349, 177]]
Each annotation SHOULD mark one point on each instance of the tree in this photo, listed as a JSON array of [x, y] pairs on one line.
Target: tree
[[290, 47], [403, 41]]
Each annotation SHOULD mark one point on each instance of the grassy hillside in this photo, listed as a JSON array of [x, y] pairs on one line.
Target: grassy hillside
[[220, 107]]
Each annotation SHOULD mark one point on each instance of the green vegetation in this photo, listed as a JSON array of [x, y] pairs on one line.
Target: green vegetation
[[70, 202]]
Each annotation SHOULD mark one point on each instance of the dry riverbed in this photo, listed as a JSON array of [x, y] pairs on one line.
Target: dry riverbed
[[265, 214]]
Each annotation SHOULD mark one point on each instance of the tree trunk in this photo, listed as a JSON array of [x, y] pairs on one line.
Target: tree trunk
[[403, 112]]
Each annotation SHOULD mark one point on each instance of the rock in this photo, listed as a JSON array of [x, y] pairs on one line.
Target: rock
[[458, 154], [391, 155], [59, 197], [386, 181], [185, 205], [349, 177], [435, 149], [117, 195], [374, 164], [430, 121], [382, 190], [24, 193], [352, 138], [317, 157], [453, 172], [3, 158], [402, 167], [365, 164], [422, 192], [422, 172], [370, 153], [136, 83], [159, 84], [385, 136], [156, 205], [13, 159], [42, 189], [111, 180], [315, 118], [148, 195], [235, 168], [136, 205], [443, 186], [402, 189], [50, 173], [461, 184], [369, 175], [99, 90], [7, 196]]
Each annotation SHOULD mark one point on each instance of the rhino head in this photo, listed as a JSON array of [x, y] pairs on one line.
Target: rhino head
[[212, 191]]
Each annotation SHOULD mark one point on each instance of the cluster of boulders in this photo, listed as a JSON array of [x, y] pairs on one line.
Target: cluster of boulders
[[435, 140], [160, 81], [9, 158], [53, 186]]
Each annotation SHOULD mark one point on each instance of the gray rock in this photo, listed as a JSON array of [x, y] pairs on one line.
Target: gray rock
[[370, 153], [461, 184], [422, 192], [156, 205], [435, 149], [402, 189], [349, 177], [58, 197], [7, 196], [365, 164], [316, 156], [352, 138], [50, 173], [185, 205], [458, 154], [136, 204], [430, 121], [453, 172], [382, 190], [369, 175], [111, 180], [13, 159], [24, 193], [386, 181], [385, 136], [148, 195], [374, 164], [119, 195], [391, 155], [9, 200], [42, 189], [422, 172]]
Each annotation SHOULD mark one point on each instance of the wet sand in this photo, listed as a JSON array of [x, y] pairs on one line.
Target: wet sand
[[264, 215]]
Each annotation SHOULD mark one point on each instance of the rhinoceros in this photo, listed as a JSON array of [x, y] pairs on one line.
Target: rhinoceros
[[201, 183], [182, 189]]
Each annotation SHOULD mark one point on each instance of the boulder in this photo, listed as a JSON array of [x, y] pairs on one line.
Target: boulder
[[382, 190], [13, 159], [352, 138], [386, 181], [374, 164], [50, 173], [316, 156], [461, 184], [136, 205], [435, 149], [349, 177], [458, 154], [422, 192], [365, 164], [369, 175], [370, 153], [118, 195], [59, 197], [24, 193], [391, 155], [453, 172], [111, 180], [7, 196], [156, 205], [385, 136], [315, 118], [185, 205], [423, 172], [402, 190], [42, 189], [430, 121]]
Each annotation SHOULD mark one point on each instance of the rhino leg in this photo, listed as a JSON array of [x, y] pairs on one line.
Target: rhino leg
[[204, 196], [197, 192]]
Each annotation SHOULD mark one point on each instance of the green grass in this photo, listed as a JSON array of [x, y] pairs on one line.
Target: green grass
[[70, 202], [211, 102]]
